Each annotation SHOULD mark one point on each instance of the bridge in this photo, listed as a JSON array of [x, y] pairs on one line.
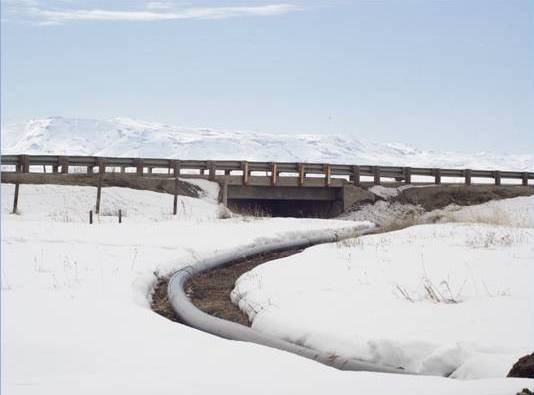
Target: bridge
[[284, 185]]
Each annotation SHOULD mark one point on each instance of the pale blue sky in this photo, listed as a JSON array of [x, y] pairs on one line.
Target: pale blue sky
[[436, 74]]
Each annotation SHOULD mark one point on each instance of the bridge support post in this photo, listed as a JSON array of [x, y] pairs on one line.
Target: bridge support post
[[467, 176], [356, 175]]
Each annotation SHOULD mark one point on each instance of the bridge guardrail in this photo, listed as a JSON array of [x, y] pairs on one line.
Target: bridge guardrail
[[274, 170]]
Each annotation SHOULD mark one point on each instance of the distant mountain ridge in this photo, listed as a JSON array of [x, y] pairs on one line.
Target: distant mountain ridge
[[126, 137]]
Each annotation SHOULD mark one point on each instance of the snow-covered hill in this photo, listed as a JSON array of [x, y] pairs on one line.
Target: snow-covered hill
[[125, 137]]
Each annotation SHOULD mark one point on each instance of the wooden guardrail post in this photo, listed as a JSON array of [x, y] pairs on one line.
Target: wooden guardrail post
[[376, 175], [437, 176], [356, 175], [524, 178], [467, 176], [497, 177], [407, 173], [24, 164], [327, 174], [244, 167], [176, 168], [64, 162], [139, 167], [212, 171], [302, 175], [274, 173]]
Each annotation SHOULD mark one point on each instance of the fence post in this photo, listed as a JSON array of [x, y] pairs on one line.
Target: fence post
[[101, 170], [90, 216], [175, 200], [467, 176], [16, 198], [120, 216], [356, 175], [524, 178], [376, 175]]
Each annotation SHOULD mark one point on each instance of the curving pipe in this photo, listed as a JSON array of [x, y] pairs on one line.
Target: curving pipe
[[198, 319]]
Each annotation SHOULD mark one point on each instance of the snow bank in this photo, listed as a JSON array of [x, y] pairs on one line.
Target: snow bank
[[72, 204], [437, 299], [518, 211]]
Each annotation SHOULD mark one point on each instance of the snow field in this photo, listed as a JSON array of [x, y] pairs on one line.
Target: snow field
[[76, 317]]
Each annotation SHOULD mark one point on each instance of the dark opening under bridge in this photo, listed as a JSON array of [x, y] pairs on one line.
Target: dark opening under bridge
[[285, 186]]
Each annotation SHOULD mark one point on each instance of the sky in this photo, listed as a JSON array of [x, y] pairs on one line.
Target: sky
[[455, 75]]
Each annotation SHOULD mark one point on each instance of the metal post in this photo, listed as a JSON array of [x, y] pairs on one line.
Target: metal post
[[90, 216], [120, 216]]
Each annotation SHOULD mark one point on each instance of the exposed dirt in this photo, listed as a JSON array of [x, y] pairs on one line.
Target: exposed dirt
[[524, 367], [438, 196], [210, 291]]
